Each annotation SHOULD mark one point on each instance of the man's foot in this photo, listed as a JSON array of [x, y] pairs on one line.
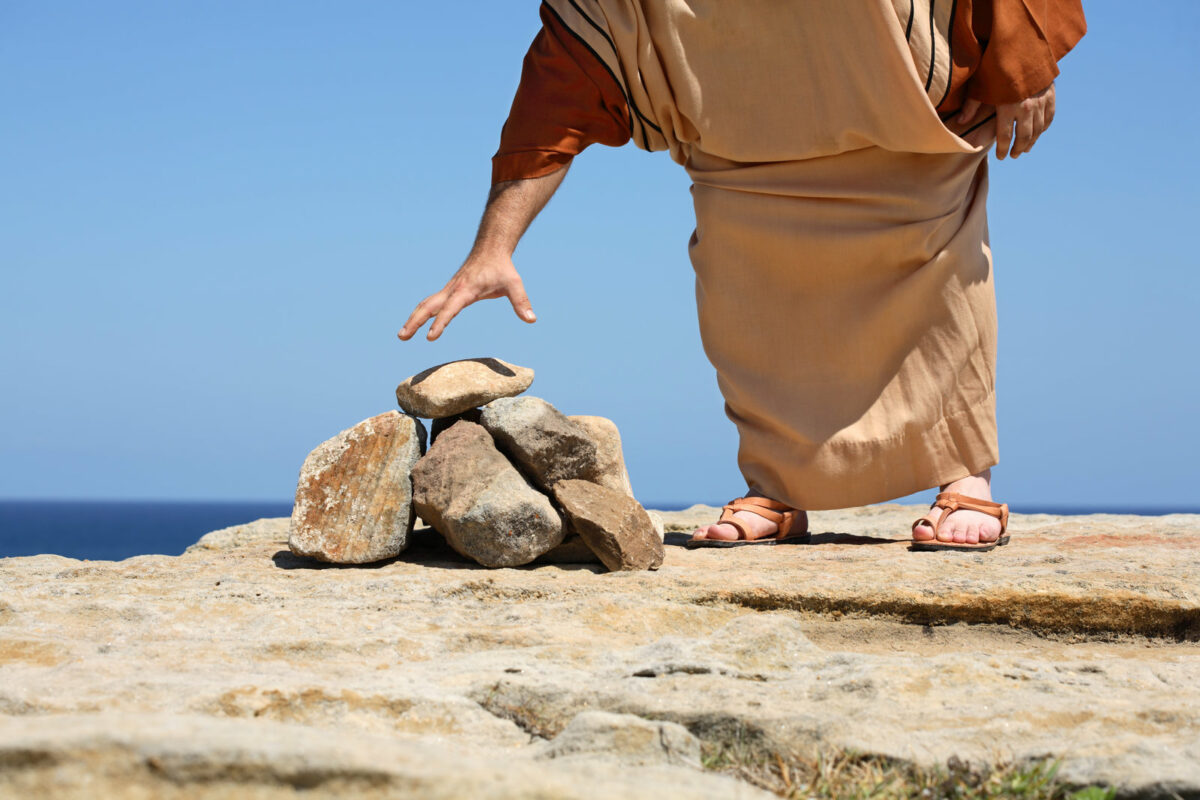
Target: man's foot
[[963, 526], [757, 526]]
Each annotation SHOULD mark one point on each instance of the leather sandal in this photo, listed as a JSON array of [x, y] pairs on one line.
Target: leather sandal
[[785, 517], [950, 502]]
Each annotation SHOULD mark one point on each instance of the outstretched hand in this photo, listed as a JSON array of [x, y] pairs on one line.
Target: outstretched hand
[[1030, 118], [488, 271], [481, 277]]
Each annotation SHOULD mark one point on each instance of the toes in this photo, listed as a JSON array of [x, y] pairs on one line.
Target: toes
[[922, 532], [723, 532], [989, 530], [972, 532]]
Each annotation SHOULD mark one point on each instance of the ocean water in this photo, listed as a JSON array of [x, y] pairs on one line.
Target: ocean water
[[115, 530], [112, 531]]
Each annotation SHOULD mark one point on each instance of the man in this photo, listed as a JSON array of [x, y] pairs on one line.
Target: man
[[838, 152]]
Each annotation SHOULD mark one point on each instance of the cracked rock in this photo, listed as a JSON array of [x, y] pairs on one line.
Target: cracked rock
[[354, 497]]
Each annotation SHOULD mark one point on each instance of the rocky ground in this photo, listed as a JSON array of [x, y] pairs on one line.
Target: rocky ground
[[240, 669]]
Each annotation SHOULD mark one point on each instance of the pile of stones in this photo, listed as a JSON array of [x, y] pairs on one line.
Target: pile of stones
[[506, 479]]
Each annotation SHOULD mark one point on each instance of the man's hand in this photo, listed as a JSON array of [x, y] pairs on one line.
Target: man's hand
[[1030, 117], [481, 277], [488, 271]]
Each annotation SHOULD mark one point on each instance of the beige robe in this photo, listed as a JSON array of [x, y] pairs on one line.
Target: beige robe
[[843, 275]]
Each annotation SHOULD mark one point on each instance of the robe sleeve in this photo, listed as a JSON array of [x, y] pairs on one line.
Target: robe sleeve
[[566, 101], [1021, 43]]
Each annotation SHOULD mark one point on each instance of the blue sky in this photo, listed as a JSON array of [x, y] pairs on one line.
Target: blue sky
[[215, 216]]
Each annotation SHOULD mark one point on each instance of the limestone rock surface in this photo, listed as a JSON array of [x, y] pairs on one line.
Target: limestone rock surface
[[458, 386], [354, 497], [610, 458], [541, 440], [241, 670], [627, 738], [613, 524], [470, 493]]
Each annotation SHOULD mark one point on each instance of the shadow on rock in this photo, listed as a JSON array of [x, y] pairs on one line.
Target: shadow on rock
[[680, 539]]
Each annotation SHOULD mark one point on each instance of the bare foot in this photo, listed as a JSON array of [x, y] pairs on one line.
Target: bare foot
[[963, 526], [758, 526]]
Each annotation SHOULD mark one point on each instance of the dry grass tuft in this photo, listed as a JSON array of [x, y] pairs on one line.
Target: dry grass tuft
[[855, 776]]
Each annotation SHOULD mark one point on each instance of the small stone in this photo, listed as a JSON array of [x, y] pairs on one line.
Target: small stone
[[354, 496], [469, 492], [458, 386], [610, 460], [614, 525], [541, 440], [627, 738]]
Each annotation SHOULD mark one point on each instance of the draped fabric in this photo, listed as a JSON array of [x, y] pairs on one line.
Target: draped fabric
[[843, 276]]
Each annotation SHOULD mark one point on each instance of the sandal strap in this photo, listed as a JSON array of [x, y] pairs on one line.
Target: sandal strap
[[783, 515], [950, 502]]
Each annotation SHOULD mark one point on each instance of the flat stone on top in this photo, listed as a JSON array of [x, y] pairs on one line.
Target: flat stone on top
[[458, 386]]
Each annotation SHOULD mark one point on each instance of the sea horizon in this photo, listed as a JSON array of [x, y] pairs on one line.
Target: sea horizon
[[115, 529]]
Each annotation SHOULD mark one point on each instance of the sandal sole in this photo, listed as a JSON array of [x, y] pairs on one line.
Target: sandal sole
[[693, 544], [974, 548]]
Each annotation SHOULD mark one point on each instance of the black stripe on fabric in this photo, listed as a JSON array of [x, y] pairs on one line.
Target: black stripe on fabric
[[977, 126], [949, 54], [604, 64], [628, 95], [912, 12], [932, 44]]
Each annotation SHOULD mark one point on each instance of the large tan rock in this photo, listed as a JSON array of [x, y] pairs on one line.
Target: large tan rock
[[354, 497], [470, 493], [458, 386], [240, 670], [610, 458], [614, 525], [540, 439]]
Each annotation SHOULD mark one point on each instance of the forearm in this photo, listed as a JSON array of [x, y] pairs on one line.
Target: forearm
[[511, 208]]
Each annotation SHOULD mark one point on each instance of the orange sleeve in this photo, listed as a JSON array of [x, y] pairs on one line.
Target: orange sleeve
[[566, 101], [1022, 42]]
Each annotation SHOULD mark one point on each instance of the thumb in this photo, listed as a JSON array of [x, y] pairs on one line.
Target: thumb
[[969, 109], [520, 301]]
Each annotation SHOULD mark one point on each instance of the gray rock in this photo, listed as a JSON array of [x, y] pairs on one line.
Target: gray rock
[[627, 738], [470, 493], [457, 386], [614, 525], [354, 496], [541, 440], [610, 459]]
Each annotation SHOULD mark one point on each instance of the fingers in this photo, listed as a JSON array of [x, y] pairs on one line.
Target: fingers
[[1005, 117], [1039, 125], [1025, 133], [520, 301], [421, 314], [449, 310], [969, 110]]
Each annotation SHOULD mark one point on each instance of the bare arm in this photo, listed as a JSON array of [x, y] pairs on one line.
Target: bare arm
[[488, 271]]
